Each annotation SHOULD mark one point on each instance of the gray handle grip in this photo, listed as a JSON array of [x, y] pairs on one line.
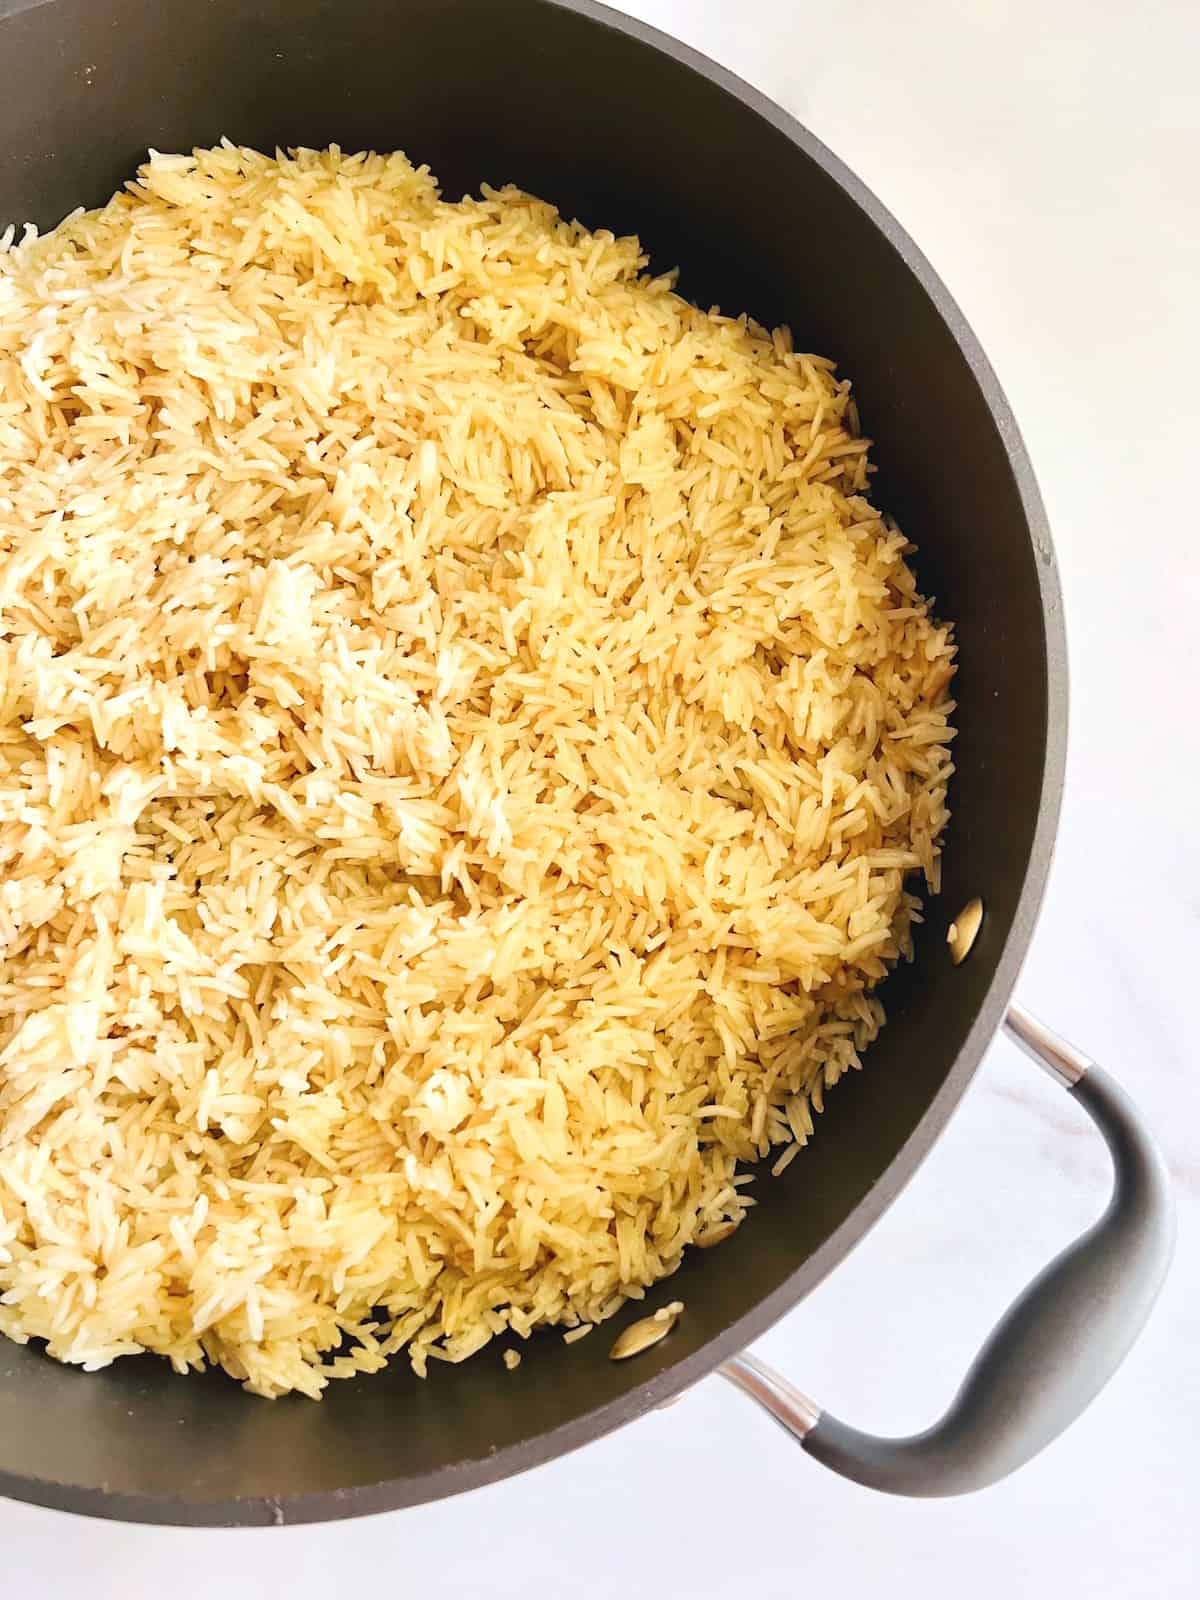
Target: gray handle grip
[[1056, 1346]]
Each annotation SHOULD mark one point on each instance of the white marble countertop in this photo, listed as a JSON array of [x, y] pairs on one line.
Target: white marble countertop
[[1043, 155]]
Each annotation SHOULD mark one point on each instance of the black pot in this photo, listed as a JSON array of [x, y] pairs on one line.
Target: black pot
[[623, 127]]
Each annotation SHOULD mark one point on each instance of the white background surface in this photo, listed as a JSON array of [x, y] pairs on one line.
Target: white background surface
[[1043, 153]]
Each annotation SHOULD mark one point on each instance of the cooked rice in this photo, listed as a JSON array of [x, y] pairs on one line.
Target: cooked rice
[[464, 733]]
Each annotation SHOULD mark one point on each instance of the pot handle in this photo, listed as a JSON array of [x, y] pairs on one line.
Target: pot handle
[[1056, 1346]]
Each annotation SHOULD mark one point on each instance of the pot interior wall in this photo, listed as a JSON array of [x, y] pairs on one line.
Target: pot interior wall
[[622, 136]]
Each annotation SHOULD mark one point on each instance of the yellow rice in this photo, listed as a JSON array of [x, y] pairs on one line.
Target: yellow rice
[[464, 737]]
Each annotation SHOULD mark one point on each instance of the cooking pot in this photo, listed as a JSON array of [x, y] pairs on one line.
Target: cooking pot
[[624, 128]]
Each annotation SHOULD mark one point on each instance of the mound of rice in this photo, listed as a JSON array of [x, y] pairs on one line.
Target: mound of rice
[[463, 737]]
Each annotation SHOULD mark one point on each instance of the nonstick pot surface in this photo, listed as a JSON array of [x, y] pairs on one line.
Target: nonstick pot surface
[[623, 129]]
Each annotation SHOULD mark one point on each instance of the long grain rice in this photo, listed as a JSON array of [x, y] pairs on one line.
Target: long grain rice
[[465, 734]]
